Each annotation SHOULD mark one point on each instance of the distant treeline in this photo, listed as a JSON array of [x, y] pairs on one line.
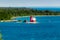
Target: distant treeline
[[7, 13]]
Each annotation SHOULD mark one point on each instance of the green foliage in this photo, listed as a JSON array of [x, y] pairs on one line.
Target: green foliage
[[0, 36], [7, 13]]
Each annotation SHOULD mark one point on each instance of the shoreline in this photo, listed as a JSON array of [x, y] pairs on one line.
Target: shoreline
[[24, 16], [34, 15]]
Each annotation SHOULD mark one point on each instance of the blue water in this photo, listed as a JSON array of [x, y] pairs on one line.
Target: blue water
[[48, 28], [47, 8]]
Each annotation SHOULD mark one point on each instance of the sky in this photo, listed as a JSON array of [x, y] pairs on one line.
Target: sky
[[29, 3]]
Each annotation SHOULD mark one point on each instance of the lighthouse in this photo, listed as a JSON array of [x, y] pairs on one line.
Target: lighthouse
[[32, 19]]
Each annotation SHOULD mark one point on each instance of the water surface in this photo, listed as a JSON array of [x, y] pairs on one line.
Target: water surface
[[48, 28]]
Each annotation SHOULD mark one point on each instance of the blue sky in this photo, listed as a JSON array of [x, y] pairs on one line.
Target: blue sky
[[29, 3]]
